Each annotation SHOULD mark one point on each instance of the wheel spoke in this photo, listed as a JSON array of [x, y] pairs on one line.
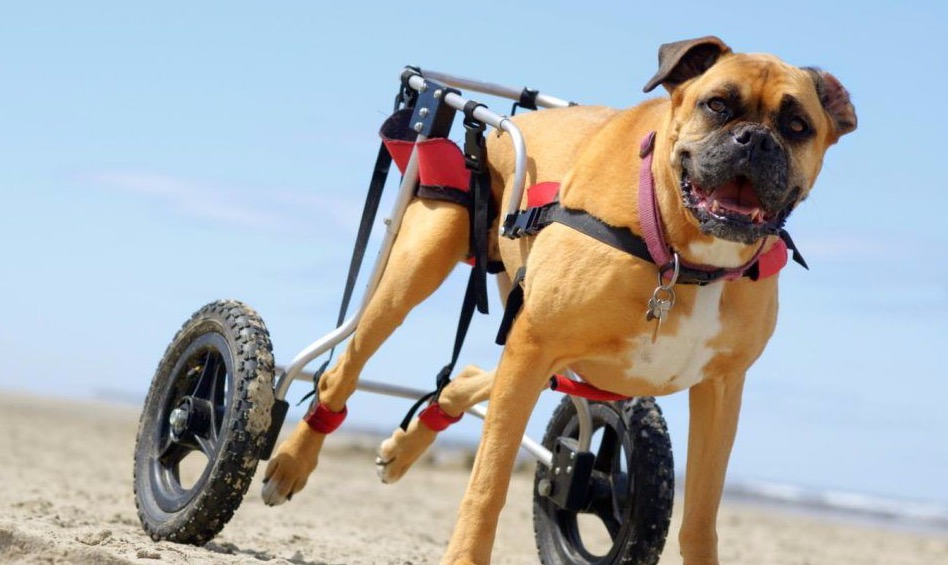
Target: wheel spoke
[[604, 509], [606, 454], [206, 382], [207, 444], [219, 396], [172, 453]]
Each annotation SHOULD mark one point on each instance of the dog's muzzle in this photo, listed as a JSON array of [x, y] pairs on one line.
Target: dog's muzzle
[[736, 184]]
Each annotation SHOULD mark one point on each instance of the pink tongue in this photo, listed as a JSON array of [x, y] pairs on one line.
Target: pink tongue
[[739, 196]]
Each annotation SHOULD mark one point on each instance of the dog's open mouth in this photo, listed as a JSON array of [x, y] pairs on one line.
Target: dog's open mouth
[[732, 210], [735, 201]]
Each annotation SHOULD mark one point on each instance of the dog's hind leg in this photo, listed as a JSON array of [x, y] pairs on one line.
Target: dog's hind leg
[[432, 240], [400, 451], [469, 387]]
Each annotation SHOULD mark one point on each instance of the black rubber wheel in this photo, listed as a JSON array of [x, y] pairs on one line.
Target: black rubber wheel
[[627, 515], [204, 424]]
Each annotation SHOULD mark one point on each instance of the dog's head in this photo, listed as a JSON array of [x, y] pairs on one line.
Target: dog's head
[[747, 134]]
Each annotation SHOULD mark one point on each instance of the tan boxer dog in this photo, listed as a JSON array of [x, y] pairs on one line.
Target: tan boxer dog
[[738, 146]]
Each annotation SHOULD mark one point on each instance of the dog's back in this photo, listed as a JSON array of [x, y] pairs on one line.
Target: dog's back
[[549, 157]]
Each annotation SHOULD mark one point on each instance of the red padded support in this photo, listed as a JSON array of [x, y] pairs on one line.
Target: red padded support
[[770, 263], [440, 162], [323, 420], [542, 193], [436, 419], [562, 384]]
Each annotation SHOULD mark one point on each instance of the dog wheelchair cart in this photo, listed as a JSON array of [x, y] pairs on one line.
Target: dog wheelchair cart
[[216, 392]]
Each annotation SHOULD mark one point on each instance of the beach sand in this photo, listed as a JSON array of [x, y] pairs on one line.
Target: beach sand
[[66, 497]]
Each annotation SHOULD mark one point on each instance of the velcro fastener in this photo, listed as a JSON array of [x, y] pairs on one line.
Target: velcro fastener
[[323, 420], [436, 419]]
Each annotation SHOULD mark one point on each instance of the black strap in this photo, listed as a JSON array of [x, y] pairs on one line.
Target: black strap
[[379, 175], [532, 220], [513, 306], [475, 157], [621, 238], [797, 256], [444, 375], [624, 240]]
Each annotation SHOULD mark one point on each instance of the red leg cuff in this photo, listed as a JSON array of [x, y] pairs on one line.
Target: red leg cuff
[[435, 419], [323, 420]]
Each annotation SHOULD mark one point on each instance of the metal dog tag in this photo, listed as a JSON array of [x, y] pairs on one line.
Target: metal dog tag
[[662, 300]]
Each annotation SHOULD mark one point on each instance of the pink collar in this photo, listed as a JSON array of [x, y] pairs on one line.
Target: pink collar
[[651, 220]]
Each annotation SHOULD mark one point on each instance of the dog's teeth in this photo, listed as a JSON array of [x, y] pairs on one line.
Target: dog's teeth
[[715, 206]]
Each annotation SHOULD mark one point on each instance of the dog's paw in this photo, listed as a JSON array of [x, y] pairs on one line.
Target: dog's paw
[[398, 453], [288, 470]]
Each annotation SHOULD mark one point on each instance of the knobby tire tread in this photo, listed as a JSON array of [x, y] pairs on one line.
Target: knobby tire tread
[[236, 462]]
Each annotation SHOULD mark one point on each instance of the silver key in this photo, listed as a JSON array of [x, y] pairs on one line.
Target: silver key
[[658, 309], [659, 305]]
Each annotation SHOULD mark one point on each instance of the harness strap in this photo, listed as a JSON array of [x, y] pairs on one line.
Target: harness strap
[[533, 220], [475, 158], [513, 306], [620, 238], [762, 265]]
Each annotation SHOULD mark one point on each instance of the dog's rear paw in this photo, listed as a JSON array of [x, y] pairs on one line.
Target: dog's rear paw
[[398, 453], [290, 468], [284, 478]]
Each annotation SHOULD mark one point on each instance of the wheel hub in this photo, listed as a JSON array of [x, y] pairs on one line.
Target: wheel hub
[[192, 418], [179, 421]]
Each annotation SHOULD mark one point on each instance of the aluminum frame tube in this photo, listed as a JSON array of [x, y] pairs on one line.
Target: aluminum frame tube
[[584, 414], [543, 100], [406, 191], [502, 123], [534, 448]]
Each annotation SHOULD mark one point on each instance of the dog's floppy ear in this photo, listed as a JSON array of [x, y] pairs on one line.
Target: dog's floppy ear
[[683, 60], [835, 100]]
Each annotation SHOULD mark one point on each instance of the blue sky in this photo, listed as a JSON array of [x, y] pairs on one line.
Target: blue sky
[[156, 157]]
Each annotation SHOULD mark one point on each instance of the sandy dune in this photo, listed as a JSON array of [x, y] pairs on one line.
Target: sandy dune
[[66, 497]]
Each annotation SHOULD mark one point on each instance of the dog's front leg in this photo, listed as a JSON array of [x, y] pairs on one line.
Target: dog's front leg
[[714, 406], [520, 377]]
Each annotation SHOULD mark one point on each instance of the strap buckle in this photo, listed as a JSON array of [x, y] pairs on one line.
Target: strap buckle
[[527, 222]]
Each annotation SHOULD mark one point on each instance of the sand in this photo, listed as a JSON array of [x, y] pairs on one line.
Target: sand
[[66, 497]]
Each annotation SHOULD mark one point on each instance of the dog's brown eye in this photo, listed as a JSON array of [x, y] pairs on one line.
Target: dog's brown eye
[[717, 105], [798, 126]]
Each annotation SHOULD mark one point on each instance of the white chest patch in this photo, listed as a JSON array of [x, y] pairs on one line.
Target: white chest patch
[[679, 359], [721, 253]]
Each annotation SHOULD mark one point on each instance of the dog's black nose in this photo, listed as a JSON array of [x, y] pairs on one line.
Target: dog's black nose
[[754, 138]]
